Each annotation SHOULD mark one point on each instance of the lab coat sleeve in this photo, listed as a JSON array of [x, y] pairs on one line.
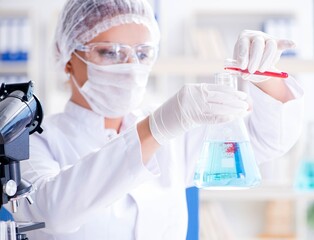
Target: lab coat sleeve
[[273, 126], [193, 145], [65, 199]]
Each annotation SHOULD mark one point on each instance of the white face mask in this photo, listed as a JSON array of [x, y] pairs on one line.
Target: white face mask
[[114, 90]]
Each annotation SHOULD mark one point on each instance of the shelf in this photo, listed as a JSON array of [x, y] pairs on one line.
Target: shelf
[[13, 68], [13, 13], [194, 67], [257, 194]]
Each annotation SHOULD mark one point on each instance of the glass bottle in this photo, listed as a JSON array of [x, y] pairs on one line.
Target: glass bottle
[[305, 173], [227, 159]]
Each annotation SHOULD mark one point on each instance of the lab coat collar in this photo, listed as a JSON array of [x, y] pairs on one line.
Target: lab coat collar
[[93, 119]]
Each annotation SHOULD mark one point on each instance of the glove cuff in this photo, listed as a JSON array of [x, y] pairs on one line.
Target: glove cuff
[[155, 131]]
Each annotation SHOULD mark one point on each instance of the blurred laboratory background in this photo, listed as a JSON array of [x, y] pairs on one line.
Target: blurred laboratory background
[[196, 38]]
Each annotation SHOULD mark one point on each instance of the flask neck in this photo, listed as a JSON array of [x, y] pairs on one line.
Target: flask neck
[[227, 79]]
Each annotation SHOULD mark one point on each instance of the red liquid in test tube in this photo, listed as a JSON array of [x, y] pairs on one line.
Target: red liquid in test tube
[[266, 73]]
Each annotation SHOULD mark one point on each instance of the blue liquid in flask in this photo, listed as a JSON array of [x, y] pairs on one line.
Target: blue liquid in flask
[[226, 164]]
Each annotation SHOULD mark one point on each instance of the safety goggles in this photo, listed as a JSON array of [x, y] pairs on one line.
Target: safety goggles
[[107, 53]]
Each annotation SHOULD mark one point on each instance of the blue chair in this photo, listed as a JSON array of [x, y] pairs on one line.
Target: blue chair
[[193, 203], [5, 215]]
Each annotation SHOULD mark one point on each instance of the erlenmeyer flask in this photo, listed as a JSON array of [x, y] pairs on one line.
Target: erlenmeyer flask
[[227, 159]]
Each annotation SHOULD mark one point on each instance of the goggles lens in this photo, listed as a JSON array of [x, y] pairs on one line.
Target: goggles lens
[[107, 53]]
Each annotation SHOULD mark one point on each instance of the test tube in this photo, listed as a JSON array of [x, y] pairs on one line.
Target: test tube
[[231, 64]]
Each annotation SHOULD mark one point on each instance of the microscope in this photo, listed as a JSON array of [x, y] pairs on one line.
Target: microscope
[[21, 114]]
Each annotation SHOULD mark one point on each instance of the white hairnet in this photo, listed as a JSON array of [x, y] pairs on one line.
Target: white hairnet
[[82, 20]]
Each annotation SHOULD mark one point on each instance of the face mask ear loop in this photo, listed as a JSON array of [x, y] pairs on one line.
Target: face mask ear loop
[[74, 81], [72, 76], [76, 84], [79, 57]]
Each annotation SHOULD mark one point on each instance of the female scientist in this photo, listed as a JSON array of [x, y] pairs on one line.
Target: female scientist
[[104, 171]]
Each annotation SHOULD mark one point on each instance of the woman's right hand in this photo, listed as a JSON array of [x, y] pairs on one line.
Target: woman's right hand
[[194, 105]]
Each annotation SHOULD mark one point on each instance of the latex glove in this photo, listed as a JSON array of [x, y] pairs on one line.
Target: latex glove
[[196, 104], [258, 51]]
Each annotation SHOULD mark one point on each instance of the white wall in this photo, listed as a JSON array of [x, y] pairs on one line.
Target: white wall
[[175, 16]]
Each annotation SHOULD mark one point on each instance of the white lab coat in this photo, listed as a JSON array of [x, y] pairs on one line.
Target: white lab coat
[[91, 183]]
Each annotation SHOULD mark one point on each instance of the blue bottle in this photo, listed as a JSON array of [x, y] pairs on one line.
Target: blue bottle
[[227, 160], [305, 173]]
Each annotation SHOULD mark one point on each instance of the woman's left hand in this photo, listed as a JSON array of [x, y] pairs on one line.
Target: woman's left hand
[[258, 51]]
